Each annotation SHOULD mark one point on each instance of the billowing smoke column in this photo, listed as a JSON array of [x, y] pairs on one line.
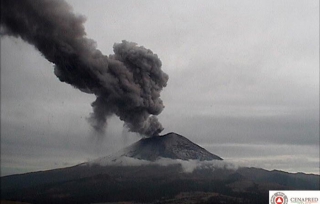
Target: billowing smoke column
[[127, 83]]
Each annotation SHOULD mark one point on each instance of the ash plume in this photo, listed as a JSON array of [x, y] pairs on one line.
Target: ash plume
[[127, 83]]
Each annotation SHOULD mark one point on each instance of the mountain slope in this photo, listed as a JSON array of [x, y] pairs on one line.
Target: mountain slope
[[152, 182], [171, 145], [101, 184]]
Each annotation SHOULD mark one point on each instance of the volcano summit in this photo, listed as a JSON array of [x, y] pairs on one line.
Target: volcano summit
[[171, 146], [153, 170]]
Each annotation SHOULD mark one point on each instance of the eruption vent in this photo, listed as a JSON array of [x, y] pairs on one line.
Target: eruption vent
[[127, 83]]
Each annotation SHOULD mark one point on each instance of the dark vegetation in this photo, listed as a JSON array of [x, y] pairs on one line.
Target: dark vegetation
[[150, 184]]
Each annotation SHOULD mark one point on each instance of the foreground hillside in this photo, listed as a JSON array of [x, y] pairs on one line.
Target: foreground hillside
[[151, 184], [164, 169]]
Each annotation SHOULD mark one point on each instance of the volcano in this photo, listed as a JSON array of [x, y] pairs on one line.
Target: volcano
[[113, 179], [171, 146]]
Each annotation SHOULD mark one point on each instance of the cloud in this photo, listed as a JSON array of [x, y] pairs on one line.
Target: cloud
[[286, 157], [188, 166], [127, 83]]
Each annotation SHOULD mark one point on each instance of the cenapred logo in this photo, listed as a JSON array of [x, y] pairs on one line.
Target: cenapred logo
[[294, 197], [279, 198]]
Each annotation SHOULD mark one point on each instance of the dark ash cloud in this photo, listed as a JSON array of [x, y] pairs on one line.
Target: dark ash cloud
[[127, 83]]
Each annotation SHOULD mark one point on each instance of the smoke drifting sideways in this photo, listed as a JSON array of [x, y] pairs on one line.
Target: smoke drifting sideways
[[127, 83]]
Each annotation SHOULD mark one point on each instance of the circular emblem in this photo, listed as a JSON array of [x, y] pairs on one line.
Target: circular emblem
[[279, 198]]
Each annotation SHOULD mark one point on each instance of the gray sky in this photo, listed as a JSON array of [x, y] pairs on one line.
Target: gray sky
[[243, 83]]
